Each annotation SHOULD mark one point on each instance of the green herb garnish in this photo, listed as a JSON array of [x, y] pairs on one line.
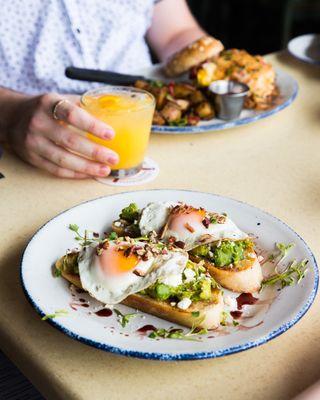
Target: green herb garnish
[[74, 227], [195, 313], [124, 319], [57, 313], [213, 220], [181, 122], [178, 333], [284, 249], [292, 275], [224, 318], [229, 71], [157, 84], [84, 240], [56, 272], [113, 236]]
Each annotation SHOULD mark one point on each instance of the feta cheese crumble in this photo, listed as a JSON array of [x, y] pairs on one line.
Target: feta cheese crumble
[[189, 274], [184, 303]]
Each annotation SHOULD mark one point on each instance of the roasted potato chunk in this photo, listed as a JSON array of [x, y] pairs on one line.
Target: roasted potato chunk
[[158, 118], [183, 90], [171, 112], [205, 110], [197, 97], [140, 84], [161, 97], [182, 104]]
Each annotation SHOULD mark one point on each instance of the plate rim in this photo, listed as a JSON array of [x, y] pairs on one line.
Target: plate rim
[[306, 60], [189, 130], [179, 356]]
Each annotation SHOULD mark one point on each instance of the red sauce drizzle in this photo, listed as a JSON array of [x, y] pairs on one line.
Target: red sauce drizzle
[[146, 328], [235, 314], [105, 312], [245, 298], [84, 305]]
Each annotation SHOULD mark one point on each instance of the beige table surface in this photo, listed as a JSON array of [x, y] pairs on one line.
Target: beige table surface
[[273, 164]]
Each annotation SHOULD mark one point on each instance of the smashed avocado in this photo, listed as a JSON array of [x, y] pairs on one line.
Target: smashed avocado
[[195, 290], [226, 253], [70, 263], [130, 213]]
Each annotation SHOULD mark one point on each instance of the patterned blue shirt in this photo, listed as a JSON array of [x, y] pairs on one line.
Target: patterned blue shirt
[[40, 38]]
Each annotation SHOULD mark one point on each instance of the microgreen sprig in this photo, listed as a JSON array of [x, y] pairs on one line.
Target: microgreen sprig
[[283, 251], [56, 314], [113, 236], [84, 240], [226, 319], [291, 275], [124, 319], [178, 333]]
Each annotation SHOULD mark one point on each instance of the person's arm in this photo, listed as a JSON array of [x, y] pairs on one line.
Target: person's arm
[[173, 27], [27, 124]]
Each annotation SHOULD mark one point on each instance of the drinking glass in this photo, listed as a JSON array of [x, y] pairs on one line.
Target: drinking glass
[[129, 112]]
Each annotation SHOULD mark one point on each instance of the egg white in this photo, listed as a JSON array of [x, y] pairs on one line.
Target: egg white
[[155, 215], [110, 289]]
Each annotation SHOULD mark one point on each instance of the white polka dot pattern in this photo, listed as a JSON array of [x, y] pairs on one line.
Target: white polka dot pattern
[[39, 39]]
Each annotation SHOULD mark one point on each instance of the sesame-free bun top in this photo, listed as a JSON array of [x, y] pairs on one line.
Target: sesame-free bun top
[[192, 55]]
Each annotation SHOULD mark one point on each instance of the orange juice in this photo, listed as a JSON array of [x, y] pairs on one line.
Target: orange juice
[[129, 112]]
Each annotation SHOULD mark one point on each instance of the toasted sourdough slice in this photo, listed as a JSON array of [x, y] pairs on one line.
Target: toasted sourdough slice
[[245, 277], [202, 314]]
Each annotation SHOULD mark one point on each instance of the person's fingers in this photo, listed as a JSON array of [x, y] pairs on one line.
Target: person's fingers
[[54, 169], [74, 115], [66, 137], [67, 160]]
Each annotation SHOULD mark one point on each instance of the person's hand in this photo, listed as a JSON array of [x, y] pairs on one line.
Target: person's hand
[[45, 142]]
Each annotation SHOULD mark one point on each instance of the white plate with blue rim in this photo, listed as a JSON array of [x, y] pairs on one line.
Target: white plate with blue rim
[[273, 314], [306, 48], [288, 90]]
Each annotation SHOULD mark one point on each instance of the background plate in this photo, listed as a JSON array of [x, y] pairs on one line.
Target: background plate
[[306, 48], [288, 91], [48, 294]]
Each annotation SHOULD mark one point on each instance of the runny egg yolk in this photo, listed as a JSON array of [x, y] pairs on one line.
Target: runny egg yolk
[[188, 221], [114, 262]]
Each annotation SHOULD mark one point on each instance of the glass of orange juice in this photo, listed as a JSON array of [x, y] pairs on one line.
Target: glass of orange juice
[[129, 112]]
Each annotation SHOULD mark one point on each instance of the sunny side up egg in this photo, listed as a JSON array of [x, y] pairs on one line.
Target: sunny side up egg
[[186, 224], [112, 276]]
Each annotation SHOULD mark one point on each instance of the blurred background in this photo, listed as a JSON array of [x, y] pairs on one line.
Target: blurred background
[[259, 26]]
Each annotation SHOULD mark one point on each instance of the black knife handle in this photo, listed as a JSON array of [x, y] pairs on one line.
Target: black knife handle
[[95, 75]]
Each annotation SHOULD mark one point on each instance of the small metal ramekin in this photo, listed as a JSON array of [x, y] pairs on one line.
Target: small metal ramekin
[[229, 98]]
